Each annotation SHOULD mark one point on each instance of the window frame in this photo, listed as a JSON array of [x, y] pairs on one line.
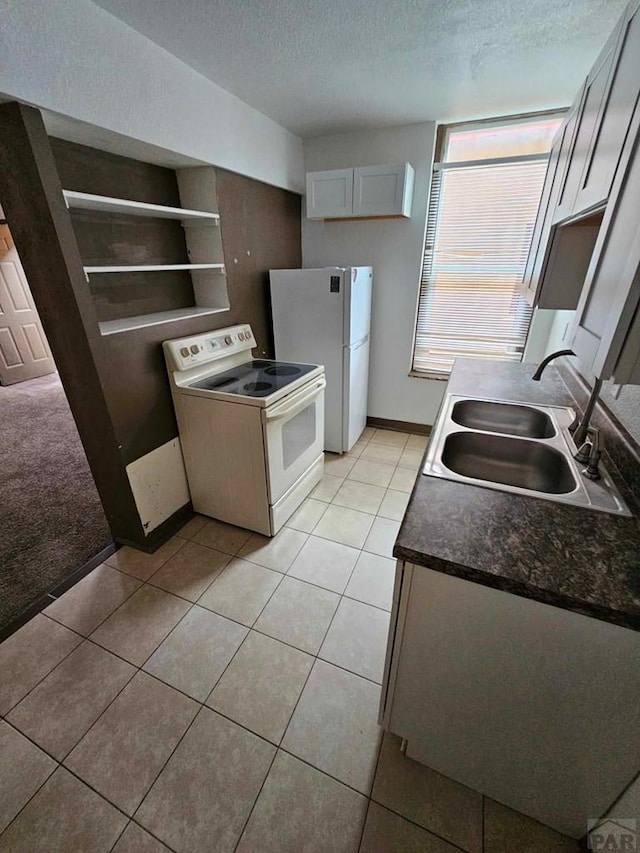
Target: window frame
[[440, 165]]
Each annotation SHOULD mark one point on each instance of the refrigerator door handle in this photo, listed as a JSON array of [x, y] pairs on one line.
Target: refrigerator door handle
[[360, 343]]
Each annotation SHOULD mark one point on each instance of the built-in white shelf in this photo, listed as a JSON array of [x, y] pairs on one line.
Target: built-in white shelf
[[88, 201], [157, 268], [128, 324], [203, 242]]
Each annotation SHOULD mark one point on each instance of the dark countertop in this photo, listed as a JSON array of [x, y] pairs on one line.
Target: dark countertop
[[570, 557]]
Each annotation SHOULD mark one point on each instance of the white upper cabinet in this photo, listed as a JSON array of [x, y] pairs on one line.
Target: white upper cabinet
[[361, 192], [383, 190], [330, 194]]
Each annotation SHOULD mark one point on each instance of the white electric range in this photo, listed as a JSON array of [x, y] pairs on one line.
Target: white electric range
[[251, 430]]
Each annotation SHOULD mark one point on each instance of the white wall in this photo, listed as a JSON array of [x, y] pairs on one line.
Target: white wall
[[73, 58], [394, 249]]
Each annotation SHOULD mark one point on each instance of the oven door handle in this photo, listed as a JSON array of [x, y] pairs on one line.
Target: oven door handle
[[302, 399]]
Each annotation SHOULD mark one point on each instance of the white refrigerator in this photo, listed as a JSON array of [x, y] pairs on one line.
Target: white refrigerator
[[323, 316]]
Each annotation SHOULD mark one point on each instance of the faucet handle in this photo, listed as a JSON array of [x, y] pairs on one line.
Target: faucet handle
[[592, 471], [583, 454]]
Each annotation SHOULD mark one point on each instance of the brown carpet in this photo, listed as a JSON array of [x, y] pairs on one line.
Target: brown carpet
[[51, 518]]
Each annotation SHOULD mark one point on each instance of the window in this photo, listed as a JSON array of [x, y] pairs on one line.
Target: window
[[485, 194]]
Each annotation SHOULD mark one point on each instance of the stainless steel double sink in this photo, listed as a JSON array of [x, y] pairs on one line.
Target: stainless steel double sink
[[513, 447]]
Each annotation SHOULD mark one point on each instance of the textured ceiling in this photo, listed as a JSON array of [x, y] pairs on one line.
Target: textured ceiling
[[318, 66]]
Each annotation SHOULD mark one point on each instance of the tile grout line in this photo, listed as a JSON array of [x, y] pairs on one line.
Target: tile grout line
[[423, 828], [482, 820], [373, 782], [60, 761], [230, 559], [242, 625], [40, 787], [282, 737], [138, 668], [250, 628], [204, 706], [255, 802], [278, 747], [192, 604], [124, 601], [124, 829], [171, 630], [156, 570], [47, 674]]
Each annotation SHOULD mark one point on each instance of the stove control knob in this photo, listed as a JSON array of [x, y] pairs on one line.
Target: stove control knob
[[184, 352], [195, 349], [228, 340], [241, 335]]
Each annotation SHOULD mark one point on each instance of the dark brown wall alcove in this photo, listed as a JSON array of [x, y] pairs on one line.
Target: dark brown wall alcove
[[132, 413]]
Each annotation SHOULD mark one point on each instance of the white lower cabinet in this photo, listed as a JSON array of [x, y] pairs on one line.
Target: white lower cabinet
[[532, 705]]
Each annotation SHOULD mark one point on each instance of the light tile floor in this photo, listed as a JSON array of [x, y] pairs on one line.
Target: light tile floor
[[222, 694]]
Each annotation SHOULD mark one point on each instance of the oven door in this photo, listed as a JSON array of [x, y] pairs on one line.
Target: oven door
[[294, 436]]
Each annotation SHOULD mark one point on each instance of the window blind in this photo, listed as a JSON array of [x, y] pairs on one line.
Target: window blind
[[479, 229]]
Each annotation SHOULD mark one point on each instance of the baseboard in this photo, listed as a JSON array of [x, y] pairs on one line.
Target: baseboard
[[399, 426], [56, 592], [163, 532]]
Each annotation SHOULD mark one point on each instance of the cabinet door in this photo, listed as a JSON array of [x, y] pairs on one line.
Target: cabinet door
[[470, 709], [543, 220], [330, 194], [383, 190], [595, 93], [611, 294], [537, 262], [615, 116]]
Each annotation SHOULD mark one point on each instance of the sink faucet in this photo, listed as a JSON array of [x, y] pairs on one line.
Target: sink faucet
[[582, 430], [587, 451], [536, 376]]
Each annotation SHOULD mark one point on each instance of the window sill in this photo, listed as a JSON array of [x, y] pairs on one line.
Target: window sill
[[424, 374]]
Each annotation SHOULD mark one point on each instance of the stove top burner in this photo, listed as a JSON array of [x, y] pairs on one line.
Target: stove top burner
[[282, 370], [254, 378], [252, 387]]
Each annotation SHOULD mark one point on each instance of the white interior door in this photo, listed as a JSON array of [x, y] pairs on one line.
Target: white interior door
[[24, 351]]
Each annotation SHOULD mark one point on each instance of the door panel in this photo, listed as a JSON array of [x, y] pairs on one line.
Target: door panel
[[356, 392], [293, 438], [357, 308], [308, 326], [594, 96], [330, 194], [24, 351], [614, 121]]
